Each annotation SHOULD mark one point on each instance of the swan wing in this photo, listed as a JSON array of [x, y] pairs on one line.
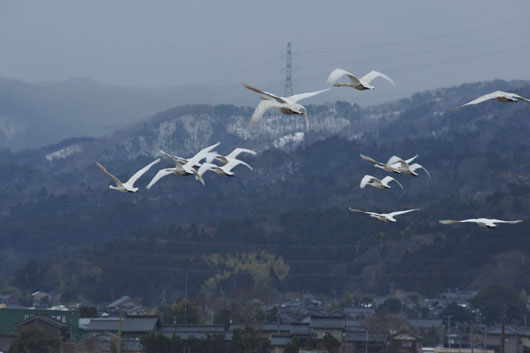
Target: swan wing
[[474, 220], [397, 213], [237, 151], [272, 95], [388, 179], [200, 156], [485, 97], [521, 98], [375, 74], [415, 166], [301, 96], [116, 180], [234, 163], [203, 169], [262, 107], [365, 180], [141, 172], [370, 159], [393, 160], [336, 74], [360, 211], [411, 159], [509, 222], [161, 173], [448, 221]]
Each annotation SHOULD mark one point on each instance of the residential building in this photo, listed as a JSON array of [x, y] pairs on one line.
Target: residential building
[[405, 343]]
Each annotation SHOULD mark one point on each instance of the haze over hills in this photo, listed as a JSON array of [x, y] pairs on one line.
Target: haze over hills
[[35, 115], [297, 196]]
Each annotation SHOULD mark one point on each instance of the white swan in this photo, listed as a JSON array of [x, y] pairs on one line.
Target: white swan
[[387, 167], [128, 186], [183, 167], [501, 96], [385, 217], [483, 222], [225, 170], [232, 156], [396, 159], [361, 84], [286, 105], [378, 183], [410, 169]]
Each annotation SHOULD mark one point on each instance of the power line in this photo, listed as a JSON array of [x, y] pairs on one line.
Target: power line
[[360, 244], [421, 39], [424, 52], [481, 55], [290, 274]]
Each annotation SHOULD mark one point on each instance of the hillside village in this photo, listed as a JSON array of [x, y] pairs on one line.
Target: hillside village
[[395, 323]]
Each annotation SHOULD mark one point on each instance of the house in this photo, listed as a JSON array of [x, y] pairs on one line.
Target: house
[[105, 342], [365, 341], [7, 301], [431, 330], [359, 313], [45, 300], [460, 297], [49, 326], [131, 326], [130, 306], [516, 339], [193, 331], [323, 324], [460, 350], [405, 343], [279, 342]]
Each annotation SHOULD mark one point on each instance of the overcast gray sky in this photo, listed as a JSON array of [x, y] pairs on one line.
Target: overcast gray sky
[[419, 43]]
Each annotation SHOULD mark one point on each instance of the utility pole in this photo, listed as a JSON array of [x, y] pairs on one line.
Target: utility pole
[[288, 72], [119, 334], [71, 326], [502, 329], [485, 336], [449, 330], [186, 299], [442, 335], [459, 326], [365, 340], [472, 343]]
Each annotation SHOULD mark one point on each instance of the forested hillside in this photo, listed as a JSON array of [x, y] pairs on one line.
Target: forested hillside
[[285, 225]]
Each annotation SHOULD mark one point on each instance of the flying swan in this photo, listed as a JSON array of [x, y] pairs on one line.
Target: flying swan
[[501, 96], [232, 156], [286, 105], [378, 183], [183, 167], [129, 185], [360, 84], [385, 217], [483, 222]]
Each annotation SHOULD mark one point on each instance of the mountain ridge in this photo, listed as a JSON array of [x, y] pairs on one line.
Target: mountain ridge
[[298, 194]]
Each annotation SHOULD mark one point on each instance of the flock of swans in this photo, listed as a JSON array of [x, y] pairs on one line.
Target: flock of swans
[[185, 167], [289, 105]]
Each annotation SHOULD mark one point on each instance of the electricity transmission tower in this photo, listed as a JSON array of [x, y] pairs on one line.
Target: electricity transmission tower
[[288, 72]]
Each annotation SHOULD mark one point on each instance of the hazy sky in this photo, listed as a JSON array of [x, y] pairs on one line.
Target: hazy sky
[[419, 43]]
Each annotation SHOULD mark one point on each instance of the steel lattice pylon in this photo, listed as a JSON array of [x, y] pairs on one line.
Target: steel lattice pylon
[[288, 72]]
